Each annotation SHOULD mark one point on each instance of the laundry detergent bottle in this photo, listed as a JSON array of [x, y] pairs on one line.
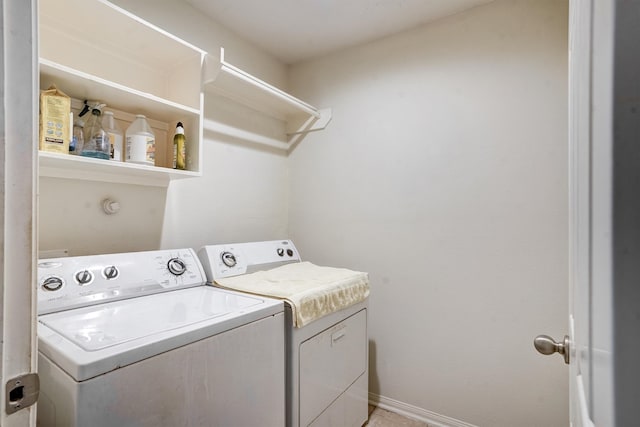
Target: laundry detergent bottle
[[141, 143], [96, 140]]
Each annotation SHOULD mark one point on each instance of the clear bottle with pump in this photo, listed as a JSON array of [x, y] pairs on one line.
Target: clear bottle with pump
[[141, 143], [116, 137], [179, 148], [96, 142]]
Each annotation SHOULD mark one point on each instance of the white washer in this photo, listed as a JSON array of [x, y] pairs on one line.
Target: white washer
[[137, 339], [327, 360]]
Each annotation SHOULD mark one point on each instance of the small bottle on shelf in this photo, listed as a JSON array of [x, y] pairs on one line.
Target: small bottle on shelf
[[179, 148], [115, 136], [141, 143], [78, 135]]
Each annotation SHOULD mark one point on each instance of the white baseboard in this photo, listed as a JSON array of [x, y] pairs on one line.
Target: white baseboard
[[410, 411]]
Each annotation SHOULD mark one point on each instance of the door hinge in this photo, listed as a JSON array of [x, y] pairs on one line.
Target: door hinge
[[21, 392]]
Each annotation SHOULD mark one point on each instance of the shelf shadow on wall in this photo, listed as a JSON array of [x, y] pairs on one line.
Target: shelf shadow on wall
[[230, 122]]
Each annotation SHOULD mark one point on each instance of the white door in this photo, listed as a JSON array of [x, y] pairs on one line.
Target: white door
[[588, 347], [611, 397], [18, 168], [590, 343], [580, 27]]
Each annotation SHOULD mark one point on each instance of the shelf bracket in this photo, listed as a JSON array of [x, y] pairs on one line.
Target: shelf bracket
[[299, 118], [309, 123]]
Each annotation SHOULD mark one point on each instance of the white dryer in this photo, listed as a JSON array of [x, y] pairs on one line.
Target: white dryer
[[327, 358], [137, 339]]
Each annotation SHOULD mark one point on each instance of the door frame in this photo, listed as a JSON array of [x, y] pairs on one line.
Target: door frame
[[18, 174]]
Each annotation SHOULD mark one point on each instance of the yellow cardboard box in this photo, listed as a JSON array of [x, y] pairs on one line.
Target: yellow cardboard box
[[54, 121]]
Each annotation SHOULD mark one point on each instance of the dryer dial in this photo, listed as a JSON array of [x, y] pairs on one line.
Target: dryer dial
[[176, 266], [228, 259]]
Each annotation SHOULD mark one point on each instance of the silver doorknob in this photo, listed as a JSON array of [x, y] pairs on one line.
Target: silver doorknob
[[546, 345]]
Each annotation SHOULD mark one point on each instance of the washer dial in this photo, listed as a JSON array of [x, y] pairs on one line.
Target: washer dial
[[52, 283], [228, 259], [84, 277], [176, 266], [111, 272]]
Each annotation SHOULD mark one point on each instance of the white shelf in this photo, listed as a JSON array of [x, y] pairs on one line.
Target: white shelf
[[85, 168], [81, 85], [222, 78], [106, 41], [96, 51]]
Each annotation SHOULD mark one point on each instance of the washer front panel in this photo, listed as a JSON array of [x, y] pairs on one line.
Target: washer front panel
[[65, 283]]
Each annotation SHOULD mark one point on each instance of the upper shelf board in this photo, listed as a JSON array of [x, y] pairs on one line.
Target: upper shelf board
[[118, 31], [224, 79]]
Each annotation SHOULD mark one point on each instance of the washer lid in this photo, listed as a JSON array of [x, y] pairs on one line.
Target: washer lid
[[98, 327]]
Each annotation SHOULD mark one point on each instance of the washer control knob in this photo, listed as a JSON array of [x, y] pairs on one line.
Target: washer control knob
[[52, 283], [290, 252], [84, 277], [111, 272], [280, 252], [176, 266], [228, 259]]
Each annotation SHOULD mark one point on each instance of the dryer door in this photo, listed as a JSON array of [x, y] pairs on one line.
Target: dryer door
[[329, 363]]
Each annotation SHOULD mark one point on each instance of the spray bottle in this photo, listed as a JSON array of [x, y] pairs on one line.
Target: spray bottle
[[96, 140]]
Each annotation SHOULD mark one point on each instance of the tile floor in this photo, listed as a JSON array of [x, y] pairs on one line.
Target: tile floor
[[379, 417]]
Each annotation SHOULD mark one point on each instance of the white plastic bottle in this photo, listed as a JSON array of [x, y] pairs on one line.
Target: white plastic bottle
[[115, 136], [141, 143]]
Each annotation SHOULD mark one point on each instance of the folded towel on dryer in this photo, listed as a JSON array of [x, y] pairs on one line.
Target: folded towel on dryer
[[312, 291]]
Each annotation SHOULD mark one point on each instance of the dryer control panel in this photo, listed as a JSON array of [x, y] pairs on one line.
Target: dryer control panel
[[65, 283], [234, 259]]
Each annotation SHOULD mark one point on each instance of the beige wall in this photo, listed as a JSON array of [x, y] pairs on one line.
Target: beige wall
[[444, 175], [241, 196]]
